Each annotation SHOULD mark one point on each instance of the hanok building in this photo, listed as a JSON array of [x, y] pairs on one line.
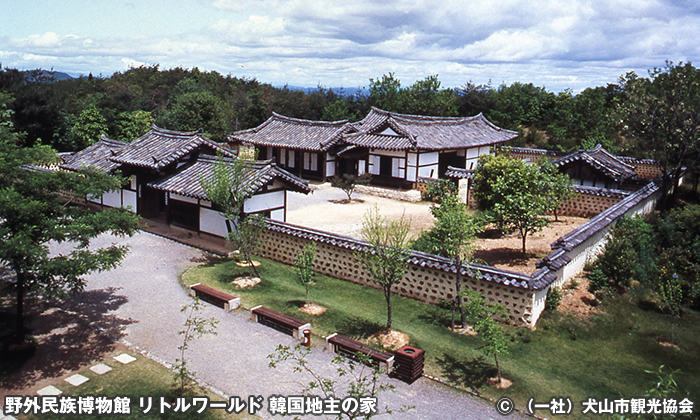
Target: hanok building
[[302, 147], [164, 170], [398, 149], [189, 207], [154, 155], [97, 156], [598, 168]]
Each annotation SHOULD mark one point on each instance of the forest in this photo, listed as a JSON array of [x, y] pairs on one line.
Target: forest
[[69, 114]]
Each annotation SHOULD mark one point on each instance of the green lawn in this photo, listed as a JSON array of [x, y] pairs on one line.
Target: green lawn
[[605, 357]]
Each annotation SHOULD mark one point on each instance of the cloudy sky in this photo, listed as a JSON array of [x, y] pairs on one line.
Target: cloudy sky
[[558, 44]]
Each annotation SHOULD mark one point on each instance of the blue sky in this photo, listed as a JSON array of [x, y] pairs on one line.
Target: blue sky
[[558, 44]]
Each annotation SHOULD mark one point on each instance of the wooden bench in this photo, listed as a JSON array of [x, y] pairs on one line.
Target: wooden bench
[[215, 297], [349, 348], [280, 322]]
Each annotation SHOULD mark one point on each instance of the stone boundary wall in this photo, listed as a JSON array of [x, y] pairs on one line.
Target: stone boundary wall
[[429, 278], [407, 195], [590, 201], [571, 252], [432, 279], [645, 168]]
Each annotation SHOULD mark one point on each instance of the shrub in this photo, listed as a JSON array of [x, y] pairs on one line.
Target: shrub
[[553, 299], [437, 190], [596, 279], [629, 253]]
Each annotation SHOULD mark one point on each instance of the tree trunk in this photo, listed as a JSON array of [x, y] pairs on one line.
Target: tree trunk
[[460, 299], [244, 248], [20, 303], [524, 235], [452, 321], [387, 295], [498, 368]]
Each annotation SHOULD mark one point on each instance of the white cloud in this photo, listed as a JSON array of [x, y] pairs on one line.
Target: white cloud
[[557, 43]]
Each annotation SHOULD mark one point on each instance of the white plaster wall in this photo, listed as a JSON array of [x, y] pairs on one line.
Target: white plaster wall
[[538, 305], [212, 222], [130, 200], [278, 215], [392, 153], [330, 165], [112, 198], [263, 202]]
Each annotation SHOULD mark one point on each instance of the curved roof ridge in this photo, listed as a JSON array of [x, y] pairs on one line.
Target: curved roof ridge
[[112, 142], [157, 129], [309, 122], [423, 118]]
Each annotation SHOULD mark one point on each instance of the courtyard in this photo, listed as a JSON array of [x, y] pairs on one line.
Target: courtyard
[[321, 210]]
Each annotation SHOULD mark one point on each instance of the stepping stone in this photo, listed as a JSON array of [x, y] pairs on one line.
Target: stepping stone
[[100, 368], [49, 390], [77, 380], [124, 358]]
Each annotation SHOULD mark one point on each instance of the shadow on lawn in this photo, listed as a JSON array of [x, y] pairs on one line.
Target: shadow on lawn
[[472, 374], [66, 340], [209, 260], [358, 328], [437, 316]]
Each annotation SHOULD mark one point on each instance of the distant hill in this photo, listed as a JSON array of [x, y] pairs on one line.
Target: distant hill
[[344, 91], [57, 75]]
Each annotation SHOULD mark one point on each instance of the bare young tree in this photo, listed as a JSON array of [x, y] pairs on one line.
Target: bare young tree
[[386, 257]]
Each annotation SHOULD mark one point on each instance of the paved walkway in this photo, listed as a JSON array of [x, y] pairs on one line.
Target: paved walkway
[[234, 361]]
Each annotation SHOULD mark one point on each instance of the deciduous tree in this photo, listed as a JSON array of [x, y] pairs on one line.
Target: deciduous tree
[[452, 237], [513, 192], [483, 316], [386, 258], [229, 188], [195, 326], [663, 114], [305, 267], [32, 214]]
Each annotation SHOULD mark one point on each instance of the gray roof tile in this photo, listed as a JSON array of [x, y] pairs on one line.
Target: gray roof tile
[[600, 159], [428, 133], [95, 156], [160, 148], [281, 131], [188, 180]]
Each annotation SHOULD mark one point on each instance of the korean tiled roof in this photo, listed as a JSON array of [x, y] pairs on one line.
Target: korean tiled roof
[[604, 219], [528, 151], [281, 131], [160, 148], [188, 181], [600, 159], [601, 192], [425, 133], [96, 156], [459, 173]]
